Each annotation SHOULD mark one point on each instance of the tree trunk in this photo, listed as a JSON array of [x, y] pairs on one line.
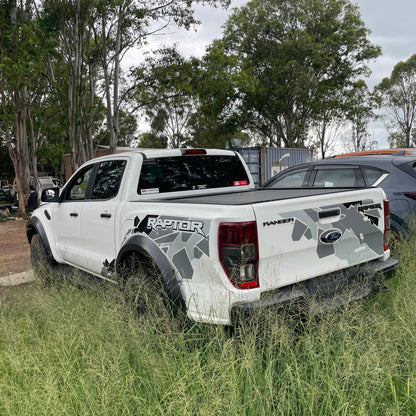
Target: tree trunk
[[21, 153]]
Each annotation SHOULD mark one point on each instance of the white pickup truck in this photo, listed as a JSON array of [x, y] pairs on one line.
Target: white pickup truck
[[219, 246]]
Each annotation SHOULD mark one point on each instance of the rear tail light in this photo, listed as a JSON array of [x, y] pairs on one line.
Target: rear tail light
[[387, 223], [238, 251]]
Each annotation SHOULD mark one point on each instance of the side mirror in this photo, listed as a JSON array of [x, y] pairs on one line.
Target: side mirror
[[50, 195]]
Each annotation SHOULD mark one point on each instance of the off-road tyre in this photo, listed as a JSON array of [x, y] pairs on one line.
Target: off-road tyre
[[43, 263], [144, 289]]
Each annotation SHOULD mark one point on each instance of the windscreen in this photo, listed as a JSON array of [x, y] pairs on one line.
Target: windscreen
[[185, 173]]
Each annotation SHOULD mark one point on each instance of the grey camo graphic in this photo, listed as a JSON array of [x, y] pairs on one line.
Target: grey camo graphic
[[181, 239], [352, 221]]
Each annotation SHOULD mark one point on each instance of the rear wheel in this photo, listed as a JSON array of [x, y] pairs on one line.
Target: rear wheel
[[144, 289], [42, 262]]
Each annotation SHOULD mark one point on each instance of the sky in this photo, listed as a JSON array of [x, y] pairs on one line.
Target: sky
[[391, 22]]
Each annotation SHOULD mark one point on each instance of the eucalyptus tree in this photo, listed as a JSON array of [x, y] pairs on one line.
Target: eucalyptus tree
[[164, 93], [73, 71], [398, 94], [360, 108], [216, 120], [188, 101], [20, 42], [293, 56], [121, 25]]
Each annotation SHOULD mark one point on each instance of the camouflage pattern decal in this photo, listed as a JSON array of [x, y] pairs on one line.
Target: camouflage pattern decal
[[354, 222], [181, 239]]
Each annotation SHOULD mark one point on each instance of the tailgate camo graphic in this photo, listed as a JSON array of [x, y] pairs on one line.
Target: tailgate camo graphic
[[359, 222]]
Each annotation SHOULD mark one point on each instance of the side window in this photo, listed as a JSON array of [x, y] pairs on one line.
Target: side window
[[77, 188], [335, 178], [291, 180], [371, 175], [108, 179]]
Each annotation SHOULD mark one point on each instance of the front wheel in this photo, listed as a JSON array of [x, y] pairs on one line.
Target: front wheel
[[42, 262]]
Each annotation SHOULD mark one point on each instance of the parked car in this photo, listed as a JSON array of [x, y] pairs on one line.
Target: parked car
[[57, 182], [5, 197], [5, 190], [44, 182], [394, 173]]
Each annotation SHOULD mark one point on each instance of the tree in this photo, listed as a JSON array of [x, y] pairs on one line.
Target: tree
[[216, 120], [71, 21], [360, 104], [399, 99], [188, 101], [326, 134], [151, 140], [163, 91], [293, 56], [19, 60], [125, 24]]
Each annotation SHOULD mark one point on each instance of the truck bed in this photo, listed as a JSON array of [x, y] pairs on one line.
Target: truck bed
[[254, 196]]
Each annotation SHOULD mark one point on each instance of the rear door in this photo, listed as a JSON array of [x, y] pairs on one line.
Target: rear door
[[99, 215]]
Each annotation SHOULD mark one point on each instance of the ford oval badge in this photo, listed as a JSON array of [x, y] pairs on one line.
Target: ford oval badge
[[330, 236]]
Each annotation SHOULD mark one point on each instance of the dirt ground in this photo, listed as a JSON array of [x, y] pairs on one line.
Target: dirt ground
[[14, 247]]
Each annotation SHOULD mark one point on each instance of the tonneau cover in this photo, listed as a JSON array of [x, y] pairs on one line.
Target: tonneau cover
[[254, 196]]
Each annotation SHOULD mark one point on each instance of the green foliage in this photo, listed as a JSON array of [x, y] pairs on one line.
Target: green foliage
[[293, 56], [151, 140], [163, 90], [399, 98], [216, 121], [70, 351]]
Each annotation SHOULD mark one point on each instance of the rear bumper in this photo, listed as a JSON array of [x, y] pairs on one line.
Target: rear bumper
[[328, 291]]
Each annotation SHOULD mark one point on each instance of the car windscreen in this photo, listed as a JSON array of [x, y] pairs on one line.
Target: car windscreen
[[184, 173]]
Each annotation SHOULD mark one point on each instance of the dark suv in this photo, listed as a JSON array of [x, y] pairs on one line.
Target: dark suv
[[395, 174]]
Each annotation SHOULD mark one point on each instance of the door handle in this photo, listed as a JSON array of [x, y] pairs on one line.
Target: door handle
[[105, 215], [330, 213], [73, 214]]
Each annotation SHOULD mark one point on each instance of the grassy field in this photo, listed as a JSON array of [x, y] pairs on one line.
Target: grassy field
[[66, 351]]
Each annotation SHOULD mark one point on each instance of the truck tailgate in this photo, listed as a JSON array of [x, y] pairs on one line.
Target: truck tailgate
[[306, 237]]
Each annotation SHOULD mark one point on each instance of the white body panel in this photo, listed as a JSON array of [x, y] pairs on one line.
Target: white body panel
[[289, 236]]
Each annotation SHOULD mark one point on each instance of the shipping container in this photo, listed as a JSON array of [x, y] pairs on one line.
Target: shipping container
[[265, 162]]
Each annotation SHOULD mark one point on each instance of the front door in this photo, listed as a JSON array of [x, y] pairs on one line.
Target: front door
[[66, 218]]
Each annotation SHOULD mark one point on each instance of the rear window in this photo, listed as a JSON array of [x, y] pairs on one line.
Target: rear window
[[44, 182], [184, 173], [372, 175]]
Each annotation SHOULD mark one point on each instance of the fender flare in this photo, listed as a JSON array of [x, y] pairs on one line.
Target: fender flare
[[144, 245], [34, 226]]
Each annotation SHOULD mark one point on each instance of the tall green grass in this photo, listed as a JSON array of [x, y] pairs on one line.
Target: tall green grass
[[66, 351]]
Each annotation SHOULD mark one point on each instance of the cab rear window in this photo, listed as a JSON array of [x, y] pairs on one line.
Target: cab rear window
[[185, 173]]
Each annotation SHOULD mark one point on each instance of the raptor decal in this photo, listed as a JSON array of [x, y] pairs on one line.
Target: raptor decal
[[183, 240]]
